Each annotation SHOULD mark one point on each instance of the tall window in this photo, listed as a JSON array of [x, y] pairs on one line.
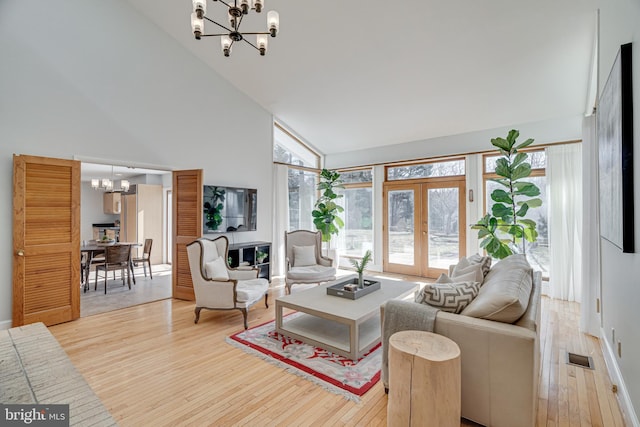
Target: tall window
[[357, 236], [302, 176], [537, 252], [302, 197]]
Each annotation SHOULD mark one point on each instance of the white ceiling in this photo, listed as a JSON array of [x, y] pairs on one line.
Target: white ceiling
[[353, 75]]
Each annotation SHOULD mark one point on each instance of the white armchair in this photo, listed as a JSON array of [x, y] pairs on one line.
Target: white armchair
[[218, 287], [305, 263]]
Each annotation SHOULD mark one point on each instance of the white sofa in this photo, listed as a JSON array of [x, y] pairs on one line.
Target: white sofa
[[500, 361]]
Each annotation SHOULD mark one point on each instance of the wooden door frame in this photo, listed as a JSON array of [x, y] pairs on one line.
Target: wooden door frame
[[421, 224], [413, 270], [460, 184]]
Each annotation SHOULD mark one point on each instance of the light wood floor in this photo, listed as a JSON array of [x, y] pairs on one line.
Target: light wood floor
[[151, 365]]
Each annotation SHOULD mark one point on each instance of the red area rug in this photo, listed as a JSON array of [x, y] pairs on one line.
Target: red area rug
[[331, 371]]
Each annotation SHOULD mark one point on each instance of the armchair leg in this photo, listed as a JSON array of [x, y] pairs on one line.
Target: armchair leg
[[287, 288], [266, 300], [244, 315], [197, 311]]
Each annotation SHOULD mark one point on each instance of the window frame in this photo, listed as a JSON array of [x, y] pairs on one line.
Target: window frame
[[356, 185]]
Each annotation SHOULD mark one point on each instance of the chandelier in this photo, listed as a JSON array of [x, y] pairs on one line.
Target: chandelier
[[236, 9], [106, 184]]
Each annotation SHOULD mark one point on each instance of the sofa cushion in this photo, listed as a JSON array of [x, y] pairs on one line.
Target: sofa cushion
[[466, 271], [451, 297], [505, 294], [251, 290], [312, 272], [216, 270], [304, 256], [484, 261]]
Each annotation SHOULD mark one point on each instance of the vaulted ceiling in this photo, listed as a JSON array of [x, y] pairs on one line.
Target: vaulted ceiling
[[352, 75]]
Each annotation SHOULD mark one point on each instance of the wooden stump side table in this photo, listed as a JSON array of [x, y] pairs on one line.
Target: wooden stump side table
[[424, 380]]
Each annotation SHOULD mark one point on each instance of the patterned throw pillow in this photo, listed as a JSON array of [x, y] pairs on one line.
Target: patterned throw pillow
[[484, 261], [451, 297]]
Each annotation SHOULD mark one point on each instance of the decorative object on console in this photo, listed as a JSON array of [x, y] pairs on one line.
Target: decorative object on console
[[615, 153], [510, 205], [235, 11]]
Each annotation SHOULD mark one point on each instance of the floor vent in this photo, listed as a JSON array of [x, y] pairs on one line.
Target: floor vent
[[579, 360]]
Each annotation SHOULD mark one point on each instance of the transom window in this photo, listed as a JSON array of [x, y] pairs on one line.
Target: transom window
[[455, 167], [289, 149]]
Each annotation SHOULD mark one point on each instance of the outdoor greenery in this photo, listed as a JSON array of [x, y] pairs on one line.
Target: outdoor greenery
[[505, 227], [326, 210], [213, 208]]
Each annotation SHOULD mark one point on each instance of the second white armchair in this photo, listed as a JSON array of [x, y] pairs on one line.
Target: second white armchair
[[305, 263]]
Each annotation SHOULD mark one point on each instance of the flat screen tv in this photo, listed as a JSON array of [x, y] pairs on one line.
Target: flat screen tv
[[229, 209]]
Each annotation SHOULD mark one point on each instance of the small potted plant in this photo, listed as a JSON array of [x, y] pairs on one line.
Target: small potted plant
[[261, 256], [360, 266]]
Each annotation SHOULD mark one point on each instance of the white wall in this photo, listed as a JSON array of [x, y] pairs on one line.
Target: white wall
[[620, 24], [97, 80], [549, 131]]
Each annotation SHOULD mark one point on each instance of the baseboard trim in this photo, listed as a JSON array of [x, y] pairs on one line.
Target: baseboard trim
[[629, 414], [5, 324]]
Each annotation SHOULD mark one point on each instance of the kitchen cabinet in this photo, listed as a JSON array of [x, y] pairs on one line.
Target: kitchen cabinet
[[111, 203], [141, 218]]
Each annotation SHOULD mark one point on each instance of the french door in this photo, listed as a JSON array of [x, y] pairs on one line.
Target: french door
[[424, 226]]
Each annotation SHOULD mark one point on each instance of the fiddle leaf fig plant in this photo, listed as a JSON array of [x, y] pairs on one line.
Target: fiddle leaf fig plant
[[325, 213], [505, 227]]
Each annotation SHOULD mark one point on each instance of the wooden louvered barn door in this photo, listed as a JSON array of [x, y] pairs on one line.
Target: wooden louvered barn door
[[187, 226], [46, 240]]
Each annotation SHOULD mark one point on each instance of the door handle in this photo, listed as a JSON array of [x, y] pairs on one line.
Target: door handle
[[20, 252]]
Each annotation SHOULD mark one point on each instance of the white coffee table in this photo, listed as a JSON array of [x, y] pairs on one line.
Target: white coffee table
[[343, 326]]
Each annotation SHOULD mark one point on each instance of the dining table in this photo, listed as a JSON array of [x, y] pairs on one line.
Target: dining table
[[93, 249]]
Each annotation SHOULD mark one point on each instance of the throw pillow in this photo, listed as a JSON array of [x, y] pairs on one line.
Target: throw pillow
[[504, 297], [484, 261], [466, 269], [451, 297], [304, 256], [216, 269], [443, 278]]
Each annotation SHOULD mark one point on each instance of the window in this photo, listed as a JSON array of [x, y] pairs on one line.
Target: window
[[538, 252], [454, 167], [302, 197], [357, 235], [291, 150], [302, 176]]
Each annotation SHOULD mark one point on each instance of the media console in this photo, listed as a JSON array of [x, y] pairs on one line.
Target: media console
[[253, 254]]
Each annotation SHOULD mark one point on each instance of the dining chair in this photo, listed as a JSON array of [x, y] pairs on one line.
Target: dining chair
[[117, 257], [145, 259]]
